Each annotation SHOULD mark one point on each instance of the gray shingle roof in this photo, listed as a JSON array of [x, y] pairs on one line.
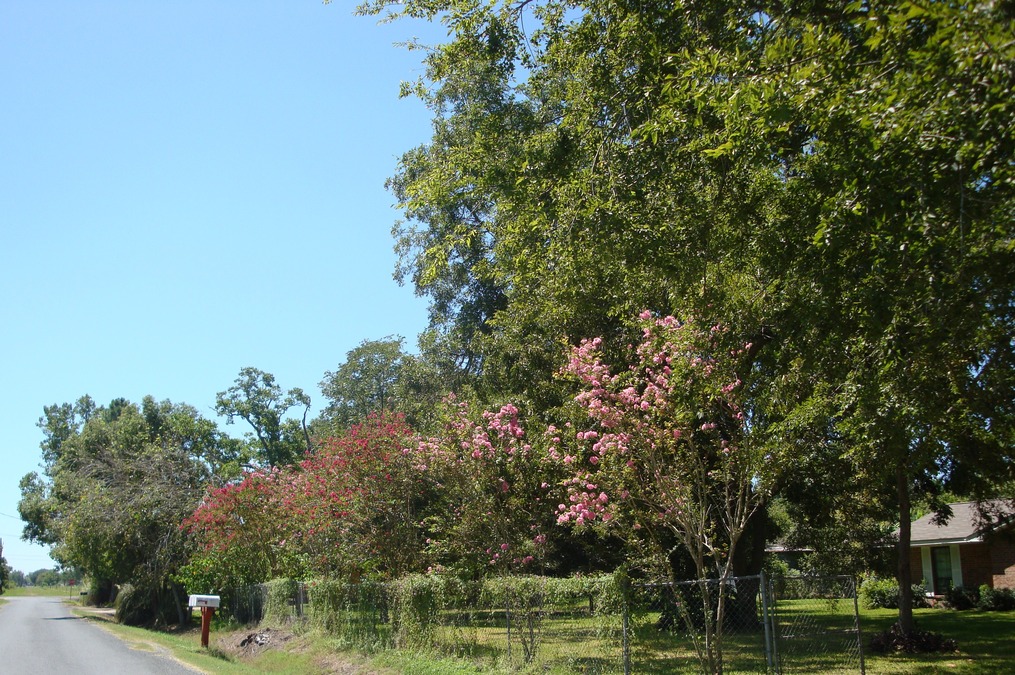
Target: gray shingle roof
[[964, 525]]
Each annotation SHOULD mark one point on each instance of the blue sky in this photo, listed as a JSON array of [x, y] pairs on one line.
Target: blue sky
[[188, 188]]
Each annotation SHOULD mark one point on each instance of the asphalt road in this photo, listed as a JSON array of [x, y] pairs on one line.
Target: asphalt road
[[40, 636]]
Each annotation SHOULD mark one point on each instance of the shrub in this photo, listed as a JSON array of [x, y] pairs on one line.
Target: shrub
[[279, 604], [878, 593], [962, 598], [133, 608], [917, 642], [355, 614], [996, 599]]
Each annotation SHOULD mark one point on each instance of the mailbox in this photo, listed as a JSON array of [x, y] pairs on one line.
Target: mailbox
[[204, 601]]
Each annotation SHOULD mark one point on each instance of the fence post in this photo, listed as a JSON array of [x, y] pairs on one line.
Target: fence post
[[625, 589], [772, 611], [766, 618], [856, 621], [507, 616], [627, 643]]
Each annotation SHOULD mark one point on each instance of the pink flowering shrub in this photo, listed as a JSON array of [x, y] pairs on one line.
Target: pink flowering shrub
[[379, 500], [664, 443], [492, 505]]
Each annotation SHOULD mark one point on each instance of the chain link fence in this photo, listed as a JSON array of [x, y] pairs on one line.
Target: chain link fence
[[699, 625], [593, 625]]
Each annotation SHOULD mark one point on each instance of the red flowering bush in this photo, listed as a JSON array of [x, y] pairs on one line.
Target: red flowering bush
[[343, 510]]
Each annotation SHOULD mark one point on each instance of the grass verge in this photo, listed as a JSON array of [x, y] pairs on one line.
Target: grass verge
[[300, 655], [983, 638]]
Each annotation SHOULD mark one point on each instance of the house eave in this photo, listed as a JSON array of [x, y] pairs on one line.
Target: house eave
[[977, 539]]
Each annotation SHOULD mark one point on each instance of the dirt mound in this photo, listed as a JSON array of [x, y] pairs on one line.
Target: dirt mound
[[254, 643], [248, 646]]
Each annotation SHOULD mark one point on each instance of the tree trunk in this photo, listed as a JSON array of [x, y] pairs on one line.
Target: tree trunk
[[742, 608], [904, 573], [182, 615]]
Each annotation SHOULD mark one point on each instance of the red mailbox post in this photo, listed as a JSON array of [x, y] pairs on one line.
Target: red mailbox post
[[207, 603]]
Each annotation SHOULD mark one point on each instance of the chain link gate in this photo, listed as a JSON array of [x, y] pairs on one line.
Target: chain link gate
[[813, 624]]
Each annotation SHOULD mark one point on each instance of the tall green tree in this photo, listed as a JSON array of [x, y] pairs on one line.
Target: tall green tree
[[259, 401], [116, 489], [832, 181], [367, 382]]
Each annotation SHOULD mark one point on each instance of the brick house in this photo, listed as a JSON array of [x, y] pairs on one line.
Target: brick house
[[964, 552]]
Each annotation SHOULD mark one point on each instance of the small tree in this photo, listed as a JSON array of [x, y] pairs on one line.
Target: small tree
[[5, 571], [670, 452]]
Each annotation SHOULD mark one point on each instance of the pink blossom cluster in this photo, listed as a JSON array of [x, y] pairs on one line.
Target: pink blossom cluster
[[587, 503]]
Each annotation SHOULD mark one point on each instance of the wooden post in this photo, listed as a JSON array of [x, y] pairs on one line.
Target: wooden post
[[206, 614]]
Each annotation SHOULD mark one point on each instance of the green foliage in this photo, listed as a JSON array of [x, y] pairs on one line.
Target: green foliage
[[45, 577], [417, 603], [878, 593], [278, 605], [367, 382], [839, 179], [17, 578], [996, 599], [961, 598], [119, 481], [434, 612], [5, 571], [260, 402], [355, 614], [149, 606], [133, 607]]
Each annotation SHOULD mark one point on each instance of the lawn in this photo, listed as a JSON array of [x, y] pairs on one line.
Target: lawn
[[812, 642], [985, 641]]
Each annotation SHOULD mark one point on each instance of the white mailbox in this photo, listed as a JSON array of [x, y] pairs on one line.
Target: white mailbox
[[204, 601]]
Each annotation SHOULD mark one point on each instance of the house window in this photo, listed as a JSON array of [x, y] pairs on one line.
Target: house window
[[941, 564]]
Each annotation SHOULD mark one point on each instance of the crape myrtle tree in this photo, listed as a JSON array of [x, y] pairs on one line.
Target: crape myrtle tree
[[492, 509], [379, 501], [117, 482], [347, 510], [667, 452], [838, 177]]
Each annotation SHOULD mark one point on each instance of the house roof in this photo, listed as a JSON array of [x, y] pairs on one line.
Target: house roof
[[963, 527]]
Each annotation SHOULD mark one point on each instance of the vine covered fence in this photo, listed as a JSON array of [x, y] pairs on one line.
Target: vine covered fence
[[583, 625]]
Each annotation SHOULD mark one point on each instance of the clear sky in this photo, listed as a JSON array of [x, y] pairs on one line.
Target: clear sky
[[188, 188]]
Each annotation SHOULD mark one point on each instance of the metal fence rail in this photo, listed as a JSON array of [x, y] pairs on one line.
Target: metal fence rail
[[769, 625]]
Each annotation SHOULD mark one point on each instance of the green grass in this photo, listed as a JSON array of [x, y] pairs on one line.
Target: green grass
[[305, 654], [984, 639], [47, 591], [571, 644]]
